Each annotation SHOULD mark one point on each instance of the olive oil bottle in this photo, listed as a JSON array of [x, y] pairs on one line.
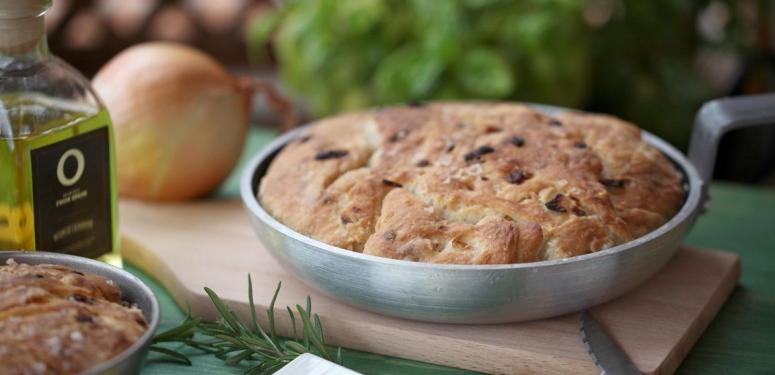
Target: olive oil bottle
[[57, 163]]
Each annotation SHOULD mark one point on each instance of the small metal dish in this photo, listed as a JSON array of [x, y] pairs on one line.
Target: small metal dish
[[133, 291]]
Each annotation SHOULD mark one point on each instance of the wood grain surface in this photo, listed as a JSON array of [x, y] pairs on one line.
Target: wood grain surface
[[210, 243]]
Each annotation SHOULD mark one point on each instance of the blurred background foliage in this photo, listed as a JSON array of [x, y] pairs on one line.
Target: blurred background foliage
[[652, 62], [638, 59]]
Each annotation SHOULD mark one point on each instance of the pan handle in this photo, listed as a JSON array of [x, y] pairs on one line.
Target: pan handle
[[715, 119]]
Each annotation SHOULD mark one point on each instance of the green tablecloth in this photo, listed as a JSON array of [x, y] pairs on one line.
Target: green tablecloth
[[740, 339]]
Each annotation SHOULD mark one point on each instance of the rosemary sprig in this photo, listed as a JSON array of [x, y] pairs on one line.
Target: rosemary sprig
[[234, 342]]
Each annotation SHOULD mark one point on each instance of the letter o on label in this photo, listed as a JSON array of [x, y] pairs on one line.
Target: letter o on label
[[80, 164]]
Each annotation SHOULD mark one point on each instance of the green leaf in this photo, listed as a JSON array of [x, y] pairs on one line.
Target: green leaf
[[293, 322], [239, 357], [475, 4], [260, 30], [357, 17], [312, 334], [273, 368], [353, 99], [257, 327], [439, 27], [293, 345], [406, 74], [270, 312], [185, 329], [319, 328], [484, 73], [224, 311], [171, 353], [529, 31], [252, 306], [255, 370], [304, 34], [447, 91]]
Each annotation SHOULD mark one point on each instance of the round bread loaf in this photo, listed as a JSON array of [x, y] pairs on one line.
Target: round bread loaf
[[471, 183], [55, 320]]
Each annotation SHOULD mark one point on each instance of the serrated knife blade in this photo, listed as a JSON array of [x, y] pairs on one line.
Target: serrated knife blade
[[607, 354]]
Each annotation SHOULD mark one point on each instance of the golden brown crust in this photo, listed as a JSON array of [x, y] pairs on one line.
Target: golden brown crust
[[54, 320], [476, 183]]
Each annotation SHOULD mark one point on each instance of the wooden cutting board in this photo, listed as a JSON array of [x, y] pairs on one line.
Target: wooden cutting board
[[210, 243]]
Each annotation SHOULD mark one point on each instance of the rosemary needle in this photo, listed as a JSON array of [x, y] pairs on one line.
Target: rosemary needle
[[235, 343]]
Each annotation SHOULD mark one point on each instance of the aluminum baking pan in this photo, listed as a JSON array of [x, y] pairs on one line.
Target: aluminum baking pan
[[128, 362], [481, 294]]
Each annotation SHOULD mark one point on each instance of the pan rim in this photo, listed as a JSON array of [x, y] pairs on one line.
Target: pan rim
[[692, 185]]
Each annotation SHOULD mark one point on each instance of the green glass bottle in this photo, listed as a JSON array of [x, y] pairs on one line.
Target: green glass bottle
[[57, 162]]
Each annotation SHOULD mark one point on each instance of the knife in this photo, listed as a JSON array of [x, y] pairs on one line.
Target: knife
[[607, 354]]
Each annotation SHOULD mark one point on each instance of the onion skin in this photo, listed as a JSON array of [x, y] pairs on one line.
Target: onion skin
[[179, 117]]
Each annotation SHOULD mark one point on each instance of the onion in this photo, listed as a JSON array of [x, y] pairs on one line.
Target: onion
[[179, 117]]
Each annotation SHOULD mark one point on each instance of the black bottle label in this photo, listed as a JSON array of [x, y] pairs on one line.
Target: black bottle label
[[71, 195]]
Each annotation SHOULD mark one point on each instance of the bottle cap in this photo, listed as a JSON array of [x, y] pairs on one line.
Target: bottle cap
[[21, 24], [23, 8]]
